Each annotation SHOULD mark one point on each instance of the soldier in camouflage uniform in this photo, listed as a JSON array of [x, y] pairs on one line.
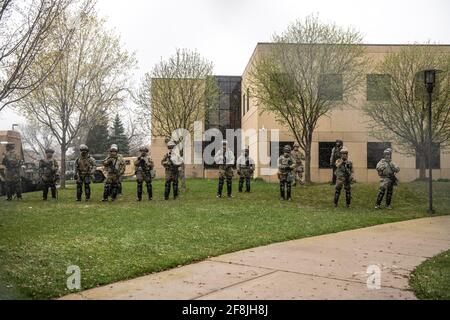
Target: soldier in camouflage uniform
[[48, 172], [344, 178], [13, 164], [286, 166], [225, 159], [298, 158], [335, 155], [171, 163], [121, 172], [386, 170], [245, 169], [113, 167], [144, 172], [84, 171]]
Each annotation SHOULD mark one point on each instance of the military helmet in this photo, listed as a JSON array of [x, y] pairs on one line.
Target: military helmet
[[296, 145], [10, 146], [49, 151], [388, 151], [344, 150], [224, 142], [84, 147], [143, 149], [171, 144], [340, 142], [113, 148], [287, 148]]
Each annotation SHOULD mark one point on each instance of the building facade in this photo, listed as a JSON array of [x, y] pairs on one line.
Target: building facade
[[239, 109]]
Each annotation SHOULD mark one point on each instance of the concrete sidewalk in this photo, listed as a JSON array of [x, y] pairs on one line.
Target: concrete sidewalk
[[332, 266]]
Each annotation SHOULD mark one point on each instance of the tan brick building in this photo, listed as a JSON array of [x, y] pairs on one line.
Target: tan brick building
[[346, 123]]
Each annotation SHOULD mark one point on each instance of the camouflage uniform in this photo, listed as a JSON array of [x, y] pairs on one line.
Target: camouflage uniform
[[298, 158], [344, 178], [286, 166], [386, 170], [13, 164], [245, 169], [84, 170], [225, 159], [171, 163], [144, 172], [113, 165], [335, 155], [48, 172]]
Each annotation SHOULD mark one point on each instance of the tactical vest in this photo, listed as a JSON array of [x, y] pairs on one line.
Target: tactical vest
[[285, 163]]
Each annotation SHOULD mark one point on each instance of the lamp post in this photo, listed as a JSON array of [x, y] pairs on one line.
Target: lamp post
[[430, 80]]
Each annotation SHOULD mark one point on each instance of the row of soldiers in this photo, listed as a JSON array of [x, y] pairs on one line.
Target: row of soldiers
[[290, 172]]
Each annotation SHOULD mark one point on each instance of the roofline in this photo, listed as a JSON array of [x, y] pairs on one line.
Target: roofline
[[375, 44]]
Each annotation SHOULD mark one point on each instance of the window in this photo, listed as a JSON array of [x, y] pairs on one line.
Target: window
[[248, 99], [244, 100], [278, 146], [378, 87], [375, 151], [331, 87], [435, 158], [325, 154]]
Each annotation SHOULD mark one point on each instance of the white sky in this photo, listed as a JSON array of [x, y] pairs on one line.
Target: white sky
[[226, 31]]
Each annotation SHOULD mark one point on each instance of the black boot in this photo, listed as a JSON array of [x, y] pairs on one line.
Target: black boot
[[53, 190], [80, 191], [150, 191], [241, 184], [379, 198], [229, 188], [247, 184], [336, 197], [389, 193], [220, 188], [45, 193], [175, 189], [106, 192], [87, 191], [139, 192], [288, 191], [167, 190], [114, 191], [282, 193], [348, 198]]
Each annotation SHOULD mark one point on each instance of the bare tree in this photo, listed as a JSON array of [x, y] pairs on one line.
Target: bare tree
[[311, 68], [25, 28], [400, 105], [36, 139], [89, 80], [176, 93]]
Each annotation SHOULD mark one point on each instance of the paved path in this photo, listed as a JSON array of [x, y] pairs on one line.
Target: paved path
[[332, 266]]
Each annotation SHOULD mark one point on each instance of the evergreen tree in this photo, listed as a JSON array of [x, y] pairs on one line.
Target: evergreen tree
[[98, 139], [118, 136]]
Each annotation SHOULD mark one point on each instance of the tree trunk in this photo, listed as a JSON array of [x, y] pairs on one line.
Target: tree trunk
[[308, 163], [422, 166], [63, 167]]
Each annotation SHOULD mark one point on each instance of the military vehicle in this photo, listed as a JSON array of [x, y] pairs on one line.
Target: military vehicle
[[100, 173], [29, 172]]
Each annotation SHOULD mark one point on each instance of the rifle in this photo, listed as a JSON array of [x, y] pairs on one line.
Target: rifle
[[392, 175], [347, 173]]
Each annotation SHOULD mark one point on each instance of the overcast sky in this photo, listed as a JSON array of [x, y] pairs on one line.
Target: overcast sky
[[226, 31]]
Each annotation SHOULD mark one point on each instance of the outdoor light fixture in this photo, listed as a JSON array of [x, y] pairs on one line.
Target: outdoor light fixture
[[430, 82]]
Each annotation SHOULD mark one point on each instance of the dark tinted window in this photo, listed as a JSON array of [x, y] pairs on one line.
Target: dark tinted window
[[375, 153], [435, 158], [331, 87], [378, 87], [325, 154]]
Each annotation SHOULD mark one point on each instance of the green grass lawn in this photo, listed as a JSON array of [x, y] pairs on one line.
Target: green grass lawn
[[126, 239], [431, 280]]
